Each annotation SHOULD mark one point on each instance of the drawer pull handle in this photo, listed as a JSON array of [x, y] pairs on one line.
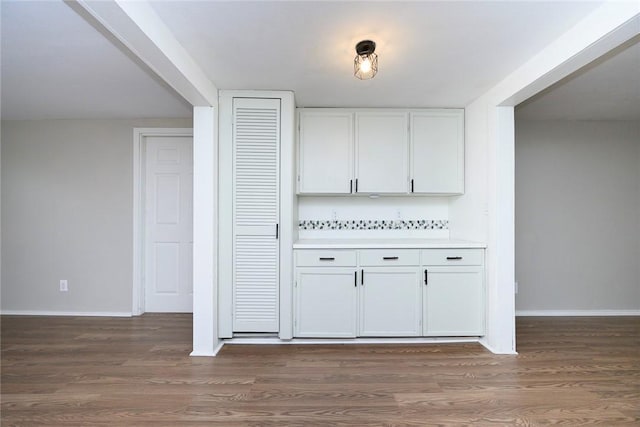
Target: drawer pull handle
[[327, 259], [390, 258], [355, 278], [426, 280], [454, 258], [362, 277]]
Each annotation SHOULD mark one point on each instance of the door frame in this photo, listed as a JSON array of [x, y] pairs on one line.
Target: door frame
[[139, 135], [288, 229]]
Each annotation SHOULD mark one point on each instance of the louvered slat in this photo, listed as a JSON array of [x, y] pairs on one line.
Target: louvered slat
[[256, 284], [256, 200]]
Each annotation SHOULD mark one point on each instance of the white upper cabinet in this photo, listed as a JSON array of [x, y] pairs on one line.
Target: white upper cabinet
[[381, 151], [326, 152], [437, 152], [382, 156]]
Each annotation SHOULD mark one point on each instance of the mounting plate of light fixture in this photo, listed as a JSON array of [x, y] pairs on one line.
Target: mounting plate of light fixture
[[365, 64]]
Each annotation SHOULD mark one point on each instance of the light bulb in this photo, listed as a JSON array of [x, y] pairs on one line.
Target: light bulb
[[365, 66]]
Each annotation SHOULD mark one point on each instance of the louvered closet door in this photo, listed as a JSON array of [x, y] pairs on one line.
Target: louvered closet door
[[256, 137]]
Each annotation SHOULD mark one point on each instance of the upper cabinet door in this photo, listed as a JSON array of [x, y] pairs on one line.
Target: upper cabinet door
[[382, 149], [437, 152], [326, 152]]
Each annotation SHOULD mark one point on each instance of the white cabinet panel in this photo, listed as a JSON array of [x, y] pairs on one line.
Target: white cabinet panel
[[382, 153], [452, 257], [389, 257], [326, 303], [390, 302], [326, 258], [437, 152], [454, 301], [326, 152]]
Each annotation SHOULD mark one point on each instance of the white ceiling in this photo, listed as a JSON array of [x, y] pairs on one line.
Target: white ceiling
[[57, 65], [607, 89], [439, 54]]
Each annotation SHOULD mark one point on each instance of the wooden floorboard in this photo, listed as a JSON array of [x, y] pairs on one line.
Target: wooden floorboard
[[79, 371]]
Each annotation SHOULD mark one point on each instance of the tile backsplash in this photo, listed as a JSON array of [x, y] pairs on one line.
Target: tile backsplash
[[376, 224]]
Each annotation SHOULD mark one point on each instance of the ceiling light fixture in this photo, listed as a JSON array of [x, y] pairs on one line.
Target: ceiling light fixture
[[365, 64]]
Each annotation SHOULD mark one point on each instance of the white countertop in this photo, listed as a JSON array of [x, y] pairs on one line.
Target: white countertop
[[408, 243]]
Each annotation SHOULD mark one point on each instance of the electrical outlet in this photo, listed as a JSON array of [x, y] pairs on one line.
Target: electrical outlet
[[398, 214], [334, 215], [64, 285]]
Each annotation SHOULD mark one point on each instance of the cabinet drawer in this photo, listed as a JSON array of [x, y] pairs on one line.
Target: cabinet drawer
[[452, 257], [325, 258], [389, 257]]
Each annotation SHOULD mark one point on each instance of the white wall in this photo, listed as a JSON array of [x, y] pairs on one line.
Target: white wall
[[391, 208], [577, 215], [489, 127], [205, 224], [67, 214]]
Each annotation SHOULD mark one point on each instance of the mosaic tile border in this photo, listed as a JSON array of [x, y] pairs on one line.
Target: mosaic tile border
[[376, 224]]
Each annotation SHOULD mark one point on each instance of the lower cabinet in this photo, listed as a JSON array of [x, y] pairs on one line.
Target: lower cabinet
[[325, 303], [390, 302], [375, 293], [453, 301]]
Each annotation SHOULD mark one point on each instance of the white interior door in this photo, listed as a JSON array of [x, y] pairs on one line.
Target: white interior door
[[168, 201], [256, 212]]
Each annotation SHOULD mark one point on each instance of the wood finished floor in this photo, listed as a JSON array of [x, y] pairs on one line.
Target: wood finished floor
[[64, 371]]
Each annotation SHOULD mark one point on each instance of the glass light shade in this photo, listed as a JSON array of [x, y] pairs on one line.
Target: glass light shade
[[365, 66]]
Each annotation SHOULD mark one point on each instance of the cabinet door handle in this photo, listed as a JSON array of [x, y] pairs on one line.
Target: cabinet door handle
[[277, 230], [389, 258], [327, 259], [355, 278], [362, 277], [454, 258], [426, 280], [350, 186], [412, 185], [356, 185]]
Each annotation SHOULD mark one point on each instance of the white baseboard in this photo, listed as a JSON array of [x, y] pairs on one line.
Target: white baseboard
[[486, 345], [212, 354], [66, 313], [576, 313], [320, 341]]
